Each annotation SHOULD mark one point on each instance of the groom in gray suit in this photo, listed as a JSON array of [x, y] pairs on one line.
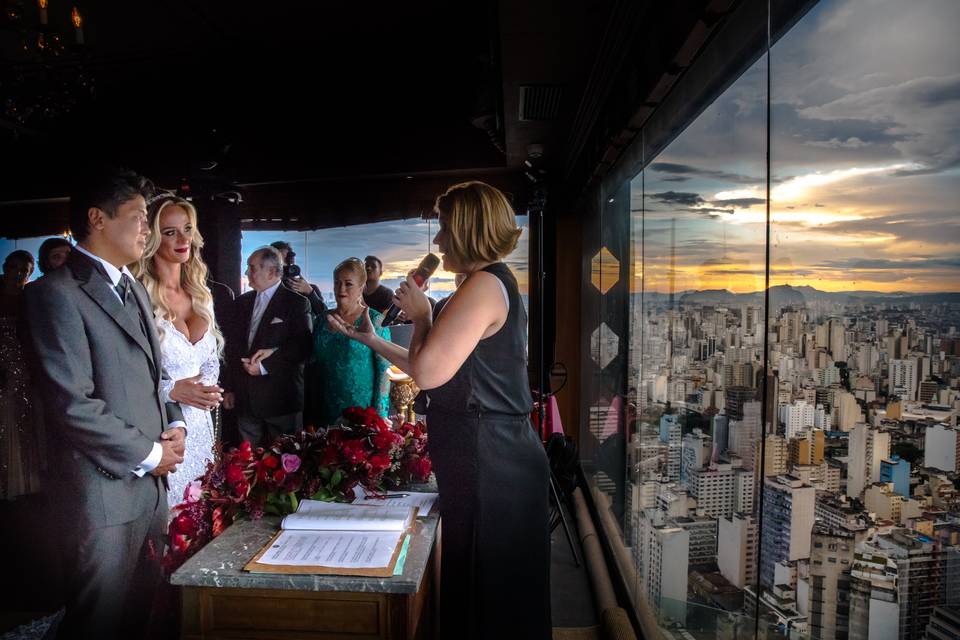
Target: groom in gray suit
[[113, 439]]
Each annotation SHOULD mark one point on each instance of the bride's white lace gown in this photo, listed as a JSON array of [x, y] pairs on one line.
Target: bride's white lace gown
[[181, 359]]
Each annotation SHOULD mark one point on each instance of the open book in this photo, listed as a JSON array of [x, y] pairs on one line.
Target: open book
[[324, 537]]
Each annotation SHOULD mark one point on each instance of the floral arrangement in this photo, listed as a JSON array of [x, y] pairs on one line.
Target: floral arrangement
[[325, 464]]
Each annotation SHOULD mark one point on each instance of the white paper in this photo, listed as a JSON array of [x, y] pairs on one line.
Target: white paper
[[337, 549], [316, 515], [423, 501]]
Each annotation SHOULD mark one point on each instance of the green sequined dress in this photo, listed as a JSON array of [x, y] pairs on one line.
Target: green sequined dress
[[352, 374]]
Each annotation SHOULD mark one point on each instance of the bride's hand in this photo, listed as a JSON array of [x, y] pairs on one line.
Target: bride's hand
[[191, 392], [363, 334]]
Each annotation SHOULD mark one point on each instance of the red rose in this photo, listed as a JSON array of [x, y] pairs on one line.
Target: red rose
[[353, 415], [184, 524], [234, 474], [380, 462], [271, 462], [241, 489], [385, 441], [421, 468], [245, 452], [279, 475], [335, 437], [355, 452], [180, 543]]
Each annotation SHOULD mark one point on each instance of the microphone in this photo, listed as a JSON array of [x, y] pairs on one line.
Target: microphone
[[426, 268]]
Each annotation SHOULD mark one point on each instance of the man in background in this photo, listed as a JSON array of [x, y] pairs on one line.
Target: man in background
[[375, 295], [270, 342], [293, 278]]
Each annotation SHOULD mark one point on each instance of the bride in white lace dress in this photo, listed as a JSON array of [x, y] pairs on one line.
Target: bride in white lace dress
[[175, 276]]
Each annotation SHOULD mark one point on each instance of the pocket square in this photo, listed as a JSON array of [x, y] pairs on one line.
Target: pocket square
[[276, 321]]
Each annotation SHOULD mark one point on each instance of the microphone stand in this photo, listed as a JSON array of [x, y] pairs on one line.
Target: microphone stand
[[558, 517]]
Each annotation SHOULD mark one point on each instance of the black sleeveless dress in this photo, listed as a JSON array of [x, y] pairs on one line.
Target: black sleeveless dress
[[493, 478]]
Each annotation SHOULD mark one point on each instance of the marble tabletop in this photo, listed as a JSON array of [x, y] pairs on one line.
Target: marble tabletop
[[221, 562]]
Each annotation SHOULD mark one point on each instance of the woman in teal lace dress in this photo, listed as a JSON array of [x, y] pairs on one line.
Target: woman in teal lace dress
[[353, 374]]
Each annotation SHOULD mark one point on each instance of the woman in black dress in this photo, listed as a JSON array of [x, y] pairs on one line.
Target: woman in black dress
[[491, 468]]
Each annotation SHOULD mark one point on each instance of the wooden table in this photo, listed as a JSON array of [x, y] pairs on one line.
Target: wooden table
[[221, 601]]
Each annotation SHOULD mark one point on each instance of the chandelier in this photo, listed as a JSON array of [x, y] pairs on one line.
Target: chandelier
[[44, 73]]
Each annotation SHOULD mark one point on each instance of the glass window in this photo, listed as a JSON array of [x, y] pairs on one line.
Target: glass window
[[792, 336]]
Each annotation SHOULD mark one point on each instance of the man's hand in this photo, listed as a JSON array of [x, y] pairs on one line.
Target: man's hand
[[252, 364], [191, 392], [229, 400], [178, 436], [170, 458], [300, 285]]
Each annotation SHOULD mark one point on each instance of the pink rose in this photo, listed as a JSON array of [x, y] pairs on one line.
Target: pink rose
[[290, 462], [193, 492]]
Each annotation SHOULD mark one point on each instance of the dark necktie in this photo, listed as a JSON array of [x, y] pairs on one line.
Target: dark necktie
[[129, 301]]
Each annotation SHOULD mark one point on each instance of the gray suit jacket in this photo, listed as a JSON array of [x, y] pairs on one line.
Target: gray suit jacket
[[101, 392]]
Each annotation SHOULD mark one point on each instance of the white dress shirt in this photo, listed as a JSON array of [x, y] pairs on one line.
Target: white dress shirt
[[156, 453], [260, 305]]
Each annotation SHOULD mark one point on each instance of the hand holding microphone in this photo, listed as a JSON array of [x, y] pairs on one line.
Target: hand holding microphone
[[409, 297]]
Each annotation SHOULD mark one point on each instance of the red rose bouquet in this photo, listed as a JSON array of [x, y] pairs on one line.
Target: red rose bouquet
[[363, 449]]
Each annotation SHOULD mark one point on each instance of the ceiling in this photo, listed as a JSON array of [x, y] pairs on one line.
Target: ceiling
[[222, 94]]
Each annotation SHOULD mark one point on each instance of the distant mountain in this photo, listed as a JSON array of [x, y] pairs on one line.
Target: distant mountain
[[783, 295]]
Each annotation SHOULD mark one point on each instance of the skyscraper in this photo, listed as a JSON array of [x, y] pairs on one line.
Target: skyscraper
[[867, 449], [788, 517]]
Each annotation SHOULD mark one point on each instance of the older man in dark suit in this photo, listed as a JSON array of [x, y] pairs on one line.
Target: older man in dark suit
[[270, 342], [113, 437]]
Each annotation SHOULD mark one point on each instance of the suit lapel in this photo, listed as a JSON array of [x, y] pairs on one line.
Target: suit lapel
[[146, 310], [98, 288]]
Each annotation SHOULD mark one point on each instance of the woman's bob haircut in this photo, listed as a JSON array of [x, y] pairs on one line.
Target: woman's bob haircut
[[481, 225]]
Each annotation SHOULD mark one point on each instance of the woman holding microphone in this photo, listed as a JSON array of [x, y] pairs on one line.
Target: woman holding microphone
[[491, 468]]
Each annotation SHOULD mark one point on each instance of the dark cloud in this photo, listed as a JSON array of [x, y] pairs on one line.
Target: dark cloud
[[882, 263], [689, 170], [678, 197], [739, 203]]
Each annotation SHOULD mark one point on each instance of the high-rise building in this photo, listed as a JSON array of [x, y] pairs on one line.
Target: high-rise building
[[788, 517], [702, 547], [674, 452], [867, 448], [696, 452], [848, 411], [828, 580], [944, 624], [665, 549], [881, 499], [897, 471], [894, 586], [807, 448], [775, 455], [720, 428], [903, 381], [928, 391], [714, 489], [737, 549], [941, 449], [667, 421], [736, 397]]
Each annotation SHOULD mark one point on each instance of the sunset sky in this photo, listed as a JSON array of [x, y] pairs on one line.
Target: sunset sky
[[400, 245], [865, 159]]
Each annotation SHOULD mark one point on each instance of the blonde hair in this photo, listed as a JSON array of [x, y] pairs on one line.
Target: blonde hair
[[353, 264], [193, 274], [481, 224]]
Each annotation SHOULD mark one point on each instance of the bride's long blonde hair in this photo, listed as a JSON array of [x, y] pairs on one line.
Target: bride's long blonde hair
[[193, 273]]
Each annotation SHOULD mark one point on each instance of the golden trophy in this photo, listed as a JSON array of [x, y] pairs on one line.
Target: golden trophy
[[403, 391]]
